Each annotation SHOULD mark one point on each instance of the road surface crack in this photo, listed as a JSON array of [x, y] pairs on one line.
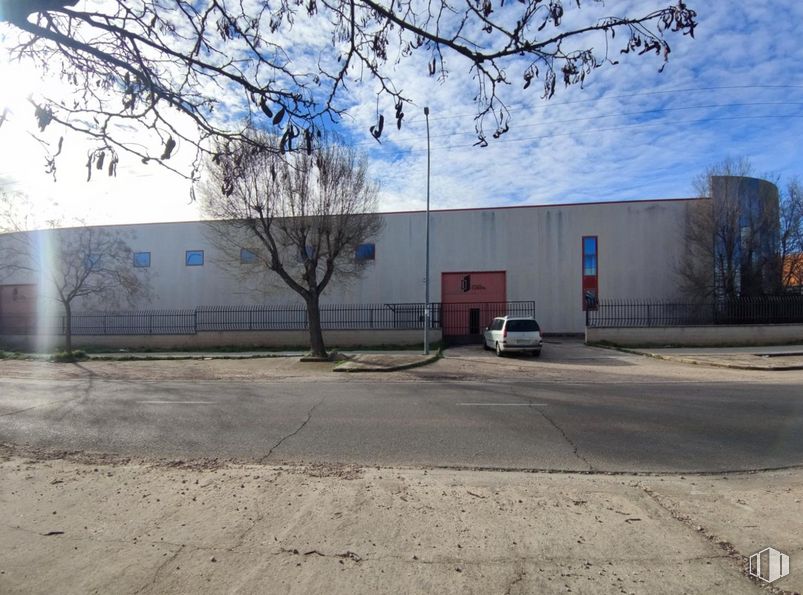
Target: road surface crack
[[24, 410], [293, 433], [254, 523], [517, 578], [85, 392], [731, 553], [571, 442], [161, 567]]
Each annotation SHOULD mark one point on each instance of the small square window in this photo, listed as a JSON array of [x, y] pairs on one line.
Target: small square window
[[142, 260], [308, 253], [247, 257], [365, 252], [194, 258], [92, 261]]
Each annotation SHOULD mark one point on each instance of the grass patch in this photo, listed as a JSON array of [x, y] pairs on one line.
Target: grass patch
[[436, 346], [137, 353], [190, 349], [13, 355], [610, 345], [68, 357]]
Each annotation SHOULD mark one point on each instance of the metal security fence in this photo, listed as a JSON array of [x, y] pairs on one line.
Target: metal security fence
[[146, 322], [250, 318], [261, 318], [640, 313], [294, 317], [157, 322]]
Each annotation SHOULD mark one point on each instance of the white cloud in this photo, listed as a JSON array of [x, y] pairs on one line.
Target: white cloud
[[631, 133]]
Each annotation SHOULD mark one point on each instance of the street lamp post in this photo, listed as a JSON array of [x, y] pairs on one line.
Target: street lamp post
[[427, 312]]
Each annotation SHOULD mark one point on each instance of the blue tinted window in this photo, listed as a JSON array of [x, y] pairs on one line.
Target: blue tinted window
[[194, 258], [589, 265], [590, 256], [308, 253], [365, 252], [142, 259], [247, 257]]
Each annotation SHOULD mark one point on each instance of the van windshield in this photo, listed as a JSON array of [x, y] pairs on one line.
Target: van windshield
[[522, 326]]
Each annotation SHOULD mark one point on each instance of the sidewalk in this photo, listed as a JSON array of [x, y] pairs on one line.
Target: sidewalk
[[355, 361], [384, 362], [778, 357], [137, 527]]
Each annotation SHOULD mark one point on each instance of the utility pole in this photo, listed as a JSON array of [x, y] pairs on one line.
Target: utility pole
[[427, 312]]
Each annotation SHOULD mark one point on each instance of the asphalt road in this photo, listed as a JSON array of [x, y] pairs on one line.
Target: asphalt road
[[649, 425]]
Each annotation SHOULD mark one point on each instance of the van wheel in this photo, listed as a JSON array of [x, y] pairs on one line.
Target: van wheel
[[537, 353], [498, 351], [485, 344]]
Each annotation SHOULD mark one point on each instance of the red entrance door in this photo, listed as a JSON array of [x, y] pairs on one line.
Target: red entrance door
[[17, 308], [471, 300]]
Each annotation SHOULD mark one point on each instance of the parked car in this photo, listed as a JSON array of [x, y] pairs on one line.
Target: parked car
[[509, 334]]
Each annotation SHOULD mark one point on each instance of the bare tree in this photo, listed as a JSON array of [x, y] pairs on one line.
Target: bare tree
[[731, 247], [302, 215], [695, 270], [217, 61], [82, 264], [791, 236]]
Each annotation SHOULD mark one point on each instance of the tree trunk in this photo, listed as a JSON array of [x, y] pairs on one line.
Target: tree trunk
[[67, 328], [317, 348]]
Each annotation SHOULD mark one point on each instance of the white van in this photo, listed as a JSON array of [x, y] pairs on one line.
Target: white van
[[510, 334]]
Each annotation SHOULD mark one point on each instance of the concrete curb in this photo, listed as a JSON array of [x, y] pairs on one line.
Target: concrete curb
[[699, 362], [340, 365], [358, 367], [733, 366], [200, 356]]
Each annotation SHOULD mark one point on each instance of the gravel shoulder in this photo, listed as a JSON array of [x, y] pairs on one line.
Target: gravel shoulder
[[141, 527]]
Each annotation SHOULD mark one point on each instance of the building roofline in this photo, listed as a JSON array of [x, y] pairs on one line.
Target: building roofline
[[548, 205], [410, 212]]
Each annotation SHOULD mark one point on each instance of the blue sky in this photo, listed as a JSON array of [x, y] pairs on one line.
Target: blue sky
[[634, 133], [631, 133]]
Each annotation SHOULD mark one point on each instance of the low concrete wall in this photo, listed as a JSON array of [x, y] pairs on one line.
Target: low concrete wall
[[203, 340], [700, 336]]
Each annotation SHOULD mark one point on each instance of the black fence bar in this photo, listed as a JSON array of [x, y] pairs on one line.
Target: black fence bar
[[641, 313], [449, 317]]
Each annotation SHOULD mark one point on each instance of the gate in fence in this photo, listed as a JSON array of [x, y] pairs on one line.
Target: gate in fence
[[465, 323]]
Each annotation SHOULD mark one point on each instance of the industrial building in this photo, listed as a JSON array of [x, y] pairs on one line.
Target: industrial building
[[561, 257]]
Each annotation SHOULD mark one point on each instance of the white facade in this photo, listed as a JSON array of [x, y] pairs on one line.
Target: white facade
[[538, 248]]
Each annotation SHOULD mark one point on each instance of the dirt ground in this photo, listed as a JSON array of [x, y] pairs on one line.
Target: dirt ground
[[140, 527]]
